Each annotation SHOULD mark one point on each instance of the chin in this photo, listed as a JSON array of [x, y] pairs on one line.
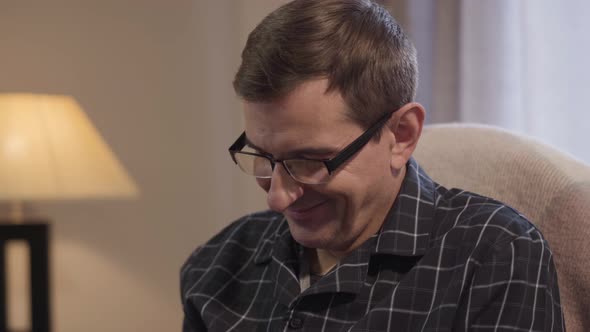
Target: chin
[[311, 238]]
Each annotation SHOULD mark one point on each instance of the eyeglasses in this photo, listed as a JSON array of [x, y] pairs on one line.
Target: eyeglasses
[[308, 171]]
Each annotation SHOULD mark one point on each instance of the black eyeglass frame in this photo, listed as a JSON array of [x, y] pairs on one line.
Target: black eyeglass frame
[[331, 164]]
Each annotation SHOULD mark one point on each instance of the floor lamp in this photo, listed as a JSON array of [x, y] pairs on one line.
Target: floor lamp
[[49, 150]]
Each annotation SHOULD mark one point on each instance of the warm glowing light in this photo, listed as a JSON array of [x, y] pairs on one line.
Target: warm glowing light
[[51, 150], [14, 147]]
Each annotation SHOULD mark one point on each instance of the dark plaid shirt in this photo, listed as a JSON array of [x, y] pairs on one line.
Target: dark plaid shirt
[[444, 260]]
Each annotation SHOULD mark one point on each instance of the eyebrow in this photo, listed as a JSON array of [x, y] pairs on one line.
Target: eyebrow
[[295, 152]]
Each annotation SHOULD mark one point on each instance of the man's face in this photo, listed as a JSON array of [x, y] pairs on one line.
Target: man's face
[[308, 123]]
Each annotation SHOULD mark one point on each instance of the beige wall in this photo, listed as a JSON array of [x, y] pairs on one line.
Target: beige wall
[[155, 78]]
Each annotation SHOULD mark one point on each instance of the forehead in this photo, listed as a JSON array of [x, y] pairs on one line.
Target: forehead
[[309, 101], [306, 117]]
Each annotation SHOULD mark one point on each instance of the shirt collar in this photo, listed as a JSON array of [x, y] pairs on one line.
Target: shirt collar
[[278, 243], [408, 225]]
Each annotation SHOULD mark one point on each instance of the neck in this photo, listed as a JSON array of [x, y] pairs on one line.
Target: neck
[[321, 261]]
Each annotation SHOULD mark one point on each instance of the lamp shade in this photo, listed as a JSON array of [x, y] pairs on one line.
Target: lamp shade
[[49, 149]]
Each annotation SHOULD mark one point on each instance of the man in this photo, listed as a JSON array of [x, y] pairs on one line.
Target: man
[[358, 237]]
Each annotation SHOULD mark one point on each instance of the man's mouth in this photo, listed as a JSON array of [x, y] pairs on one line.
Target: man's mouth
[[303, 212]]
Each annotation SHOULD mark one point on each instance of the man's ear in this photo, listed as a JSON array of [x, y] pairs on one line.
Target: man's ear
[[406, 125]]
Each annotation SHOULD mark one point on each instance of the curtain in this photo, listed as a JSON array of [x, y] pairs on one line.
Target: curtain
[[518, 64]]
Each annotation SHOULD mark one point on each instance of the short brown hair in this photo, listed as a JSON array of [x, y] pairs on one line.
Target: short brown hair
[[355, 44]]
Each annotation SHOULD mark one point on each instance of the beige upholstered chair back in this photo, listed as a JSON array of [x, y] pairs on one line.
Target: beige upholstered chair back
[[549, 187]]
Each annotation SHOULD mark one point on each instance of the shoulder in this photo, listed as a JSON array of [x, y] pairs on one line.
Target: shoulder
[[478, 221], [232, 247]]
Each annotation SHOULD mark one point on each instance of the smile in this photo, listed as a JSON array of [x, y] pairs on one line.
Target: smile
[[304, 213]]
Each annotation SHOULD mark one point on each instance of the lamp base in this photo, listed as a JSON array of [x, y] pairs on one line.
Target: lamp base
[[36, 233]]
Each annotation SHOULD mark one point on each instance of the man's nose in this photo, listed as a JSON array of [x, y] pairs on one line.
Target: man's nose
[[284, 190]]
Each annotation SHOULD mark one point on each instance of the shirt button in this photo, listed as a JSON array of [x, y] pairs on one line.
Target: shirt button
[[296, 323]]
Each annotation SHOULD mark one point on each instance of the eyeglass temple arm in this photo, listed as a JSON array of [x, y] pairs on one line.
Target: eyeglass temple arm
[[356, 145]]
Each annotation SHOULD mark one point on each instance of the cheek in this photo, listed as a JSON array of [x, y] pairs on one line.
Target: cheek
[[357, 181], [343, 189]]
